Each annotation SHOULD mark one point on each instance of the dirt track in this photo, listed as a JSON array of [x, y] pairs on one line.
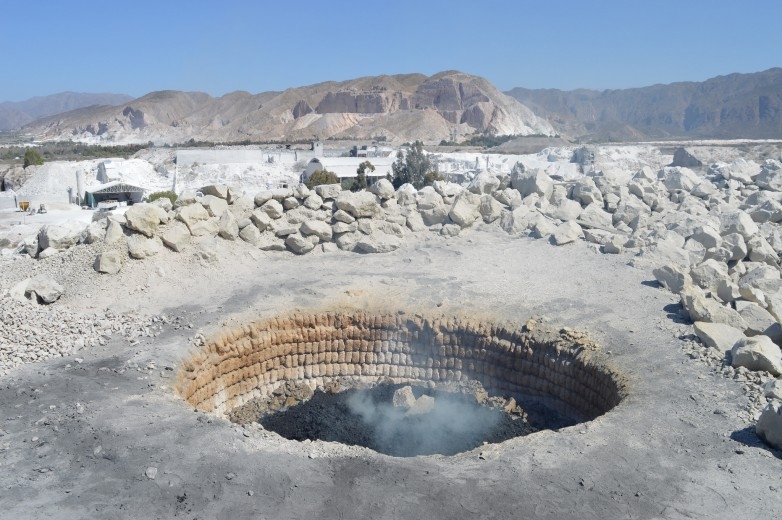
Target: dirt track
[[78, 440]]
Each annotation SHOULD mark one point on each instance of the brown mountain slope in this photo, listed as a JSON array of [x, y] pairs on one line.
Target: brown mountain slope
[[732, 106], [396, 108]]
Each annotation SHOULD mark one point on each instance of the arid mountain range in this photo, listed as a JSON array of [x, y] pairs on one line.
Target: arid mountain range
[[725, 107], [16, 114], [392, 108], [449, 105]]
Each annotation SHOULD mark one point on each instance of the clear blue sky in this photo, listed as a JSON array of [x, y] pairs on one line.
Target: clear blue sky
[[139, 46]]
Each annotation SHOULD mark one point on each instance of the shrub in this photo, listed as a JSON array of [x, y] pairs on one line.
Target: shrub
[[319, 177], [170, 195], [32, 157]]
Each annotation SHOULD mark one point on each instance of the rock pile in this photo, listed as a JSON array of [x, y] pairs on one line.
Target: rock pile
[[30, 332]]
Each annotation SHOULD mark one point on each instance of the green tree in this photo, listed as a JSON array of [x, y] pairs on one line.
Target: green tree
[[32, 157], [361, 178], [319, 177], [412, 167]]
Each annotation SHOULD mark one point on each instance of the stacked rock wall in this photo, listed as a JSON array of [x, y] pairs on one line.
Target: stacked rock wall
[[252, 360]]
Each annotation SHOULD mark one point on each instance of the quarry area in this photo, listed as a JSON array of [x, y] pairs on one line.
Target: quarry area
[[610, 315]]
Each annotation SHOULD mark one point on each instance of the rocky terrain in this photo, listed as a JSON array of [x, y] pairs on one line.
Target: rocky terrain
[[725, 107], [391, 108], [675, 269]]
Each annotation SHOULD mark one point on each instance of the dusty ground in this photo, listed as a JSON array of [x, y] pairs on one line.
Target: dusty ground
[[79, 436]]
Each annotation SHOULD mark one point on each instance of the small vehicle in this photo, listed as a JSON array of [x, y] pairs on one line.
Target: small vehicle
[[23, 206], [42, 208]]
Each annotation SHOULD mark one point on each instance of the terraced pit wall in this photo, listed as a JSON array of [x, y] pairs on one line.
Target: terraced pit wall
[[561, 370]]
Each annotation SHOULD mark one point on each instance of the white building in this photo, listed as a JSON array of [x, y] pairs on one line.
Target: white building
[[347, 167]]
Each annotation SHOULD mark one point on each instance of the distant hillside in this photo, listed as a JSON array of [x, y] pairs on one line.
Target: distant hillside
[[732, 106], [392, 108], [14, 115]]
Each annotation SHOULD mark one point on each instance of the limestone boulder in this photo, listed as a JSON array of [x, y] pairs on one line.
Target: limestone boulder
[[328, 191], [299, 244], [759, 321], [701, 308], [205, 228], [215, 190], [769, 425], [191, 214], [62, 236], [532, 181], [490, 209], [227, 226], [176, 236], [273, 208], [383, 189], [362, 204], [215, 206], [484, 183], [313, 201], [586, 192], [768, 211], [757, 353], [109, 262], [708, 274], [718, 335], [759, 250], [44, 289], [465, 209], [564, 209], [269, 242], [517, 221], [95, 232], [406, 194], [508, 197], [434, 216], [262, 197], [566, 233], [318, 228], [738, 222], [594, 216], [114, 231], [143, 218], [250, 234], [377, 242], [260, 219], [770, 176], [678, 178], [447, 190], [141, 247], [415, 222]]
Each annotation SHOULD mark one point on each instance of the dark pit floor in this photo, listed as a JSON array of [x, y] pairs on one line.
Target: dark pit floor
[[367, 417]]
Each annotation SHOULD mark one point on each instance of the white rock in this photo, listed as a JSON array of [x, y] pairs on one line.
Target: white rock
[[299, 244], [708, 274], [718, 335], [109, 262], [484, 183], [378, 242], [769, 425], [759, 321], [318, 228], [673, 277], [142, 247], [45, 288], [227, 227], [176, 236], [328, 191], [362, 204], [313, 201], [567, 232], [490, 209], [62, 236], [757, 353], [465, 209], [273, 209], [250, 234], [738, 222], [216, 206], [191, 214], [701, 308], [383, 189], [215, 190], [533, 181]]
